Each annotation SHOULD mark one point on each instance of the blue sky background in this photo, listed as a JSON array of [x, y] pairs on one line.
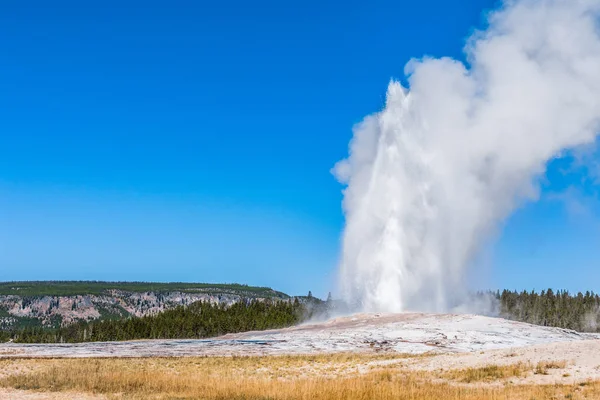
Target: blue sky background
[[192, 141]]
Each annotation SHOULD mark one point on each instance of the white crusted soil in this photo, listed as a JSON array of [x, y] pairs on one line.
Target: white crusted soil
[[402, 333]]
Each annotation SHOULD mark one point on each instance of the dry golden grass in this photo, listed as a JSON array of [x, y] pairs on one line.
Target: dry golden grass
[[488, 373], [322, 377], [543, 366]]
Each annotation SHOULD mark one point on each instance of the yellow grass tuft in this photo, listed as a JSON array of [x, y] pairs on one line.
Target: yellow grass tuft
[[543, 366], [487, 373]]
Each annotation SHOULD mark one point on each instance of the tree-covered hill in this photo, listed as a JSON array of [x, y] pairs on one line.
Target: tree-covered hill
[[199, 320], [51, 304], [74, 288]]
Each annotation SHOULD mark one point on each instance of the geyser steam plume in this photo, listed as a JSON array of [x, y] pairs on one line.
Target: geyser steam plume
[[431, 176]]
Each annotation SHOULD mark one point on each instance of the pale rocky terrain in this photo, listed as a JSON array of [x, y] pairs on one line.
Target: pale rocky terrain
[[412, 333]]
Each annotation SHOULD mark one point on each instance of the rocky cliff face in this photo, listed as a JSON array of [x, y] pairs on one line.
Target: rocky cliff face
[[18, 311]]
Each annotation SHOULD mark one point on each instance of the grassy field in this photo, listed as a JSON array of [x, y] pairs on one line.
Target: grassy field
[[323, 377], [73, 288]]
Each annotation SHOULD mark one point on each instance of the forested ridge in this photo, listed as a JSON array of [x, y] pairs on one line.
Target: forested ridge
[[198, 320], [73, 288], [52, 304]]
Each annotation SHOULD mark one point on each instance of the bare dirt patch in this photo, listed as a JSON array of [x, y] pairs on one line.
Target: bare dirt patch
[[13, 394], [563, 362]]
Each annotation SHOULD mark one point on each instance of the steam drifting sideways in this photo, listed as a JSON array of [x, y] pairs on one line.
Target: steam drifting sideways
[[430, 177]]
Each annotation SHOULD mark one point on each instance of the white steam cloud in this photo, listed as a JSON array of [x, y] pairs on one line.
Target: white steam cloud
[[431, 176]]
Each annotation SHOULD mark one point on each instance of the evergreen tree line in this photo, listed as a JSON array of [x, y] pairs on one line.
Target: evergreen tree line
[[580, 312], [198, 320]]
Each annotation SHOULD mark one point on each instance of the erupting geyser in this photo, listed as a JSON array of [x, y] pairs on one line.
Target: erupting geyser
[[430, 176]]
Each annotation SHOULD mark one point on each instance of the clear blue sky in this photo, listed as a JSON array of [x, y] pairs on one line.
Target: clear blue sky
[[192, 141]]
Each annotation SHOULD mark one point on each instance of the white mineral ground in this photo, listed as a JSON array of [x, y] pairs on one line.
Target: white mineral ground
[[413, 333]]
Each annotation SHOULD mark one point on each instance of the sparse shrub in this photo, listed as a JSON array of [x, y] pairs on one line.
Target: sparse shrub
[[542, 367], [487, 373]]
